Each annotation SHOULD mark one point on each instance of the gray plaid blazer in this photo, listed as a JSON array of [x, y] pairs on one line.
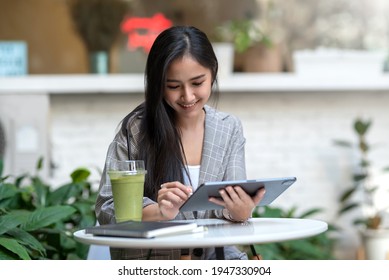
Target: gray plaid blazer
[[223, 158]]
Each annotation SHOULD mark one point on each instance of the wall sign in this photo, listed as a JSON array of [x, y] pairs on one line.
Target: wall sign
[[13, 58], [142, 31]]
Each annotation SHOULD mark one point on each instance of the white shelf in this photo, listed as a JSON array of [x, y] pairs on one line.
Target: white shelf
[[62, 84], [134, 83]]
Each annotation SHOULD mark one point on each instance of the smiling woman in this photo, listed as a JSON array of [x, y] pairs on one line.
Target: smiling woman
[[175, 132]]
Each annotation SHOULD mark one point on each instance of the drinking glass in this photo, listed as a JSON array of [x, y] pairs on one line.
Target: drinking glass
[[127, 179]]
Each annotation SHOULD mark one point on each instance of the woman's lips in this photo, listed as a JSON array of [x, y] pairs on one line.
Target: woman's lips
[[187, 106]]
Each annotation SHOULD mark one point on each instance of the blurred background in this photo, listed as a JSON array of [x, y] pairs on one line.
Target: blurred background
[[307, 78], [54, 46]]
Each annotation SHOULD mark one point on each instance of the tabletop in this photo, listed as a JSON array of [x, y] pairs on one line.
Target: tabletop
[[219, 233]]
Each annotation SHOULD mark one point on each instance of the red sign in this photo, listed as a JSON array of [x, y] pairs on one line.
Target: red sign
[[143, 31]]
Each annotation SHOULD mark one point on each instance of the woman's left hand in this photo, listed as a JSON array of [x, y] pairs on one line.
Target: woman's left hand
[[237, 202]]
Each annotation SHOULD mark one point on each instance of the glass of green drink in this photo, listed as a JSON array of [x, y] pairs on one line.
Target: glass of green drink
[[127, 179]]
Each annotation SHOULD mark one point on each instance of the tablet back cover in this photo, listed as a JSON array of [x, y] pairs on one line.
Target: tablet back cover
[[274, 188]]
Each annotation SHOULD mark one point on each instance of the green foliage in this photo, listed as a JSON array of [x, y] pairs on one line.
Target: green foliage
[[243, 34], [37, 221], [349, 199], [318, 247]]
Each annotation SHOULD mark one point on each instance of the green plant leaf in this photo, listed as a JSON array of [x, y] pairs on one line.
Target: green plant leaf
[[12, 220], [80, 175], [7, 191], [19, 179], [347, 194], [310, 212], [361, 127], [84, 208], [270, 212], [27, 240], [62, 194], [43, 217], [1, 168], [343, 143], [7, 255], [365, 163], [68, 242], [270, 251], [301, 249], [289, 213], [41, 192], [54, 231], [14, 246], [348, 207], [39, 164], [27, 194], [359, 177], [360, 222], [267, 41], [87, 221]]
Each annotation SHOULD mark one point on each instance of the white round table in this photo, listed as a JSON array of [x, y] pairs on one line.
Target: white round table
[[219, 233]]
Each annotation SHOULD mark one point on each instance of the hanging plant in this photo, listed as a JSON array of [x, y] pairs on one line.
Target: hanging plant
[[98, 21]]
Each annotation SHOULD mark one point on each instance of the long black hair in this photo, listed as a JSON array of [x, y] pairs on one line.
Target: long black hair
[[160, 142]]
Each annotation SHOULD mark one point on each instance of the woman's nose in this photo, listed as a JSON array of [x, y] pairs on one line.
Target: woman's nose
[[187, 94]]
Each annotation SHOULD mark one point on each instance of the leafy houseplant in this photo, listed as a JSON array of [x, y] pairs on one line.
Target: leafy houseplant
[[98, 24], [318, 247], [243, 33], [256, 50], [37, 222], [361, 195]]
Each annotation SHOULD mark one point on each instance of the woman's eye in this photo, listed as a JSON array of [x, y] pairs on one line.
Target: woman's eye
[[198, 84], [172, 87]]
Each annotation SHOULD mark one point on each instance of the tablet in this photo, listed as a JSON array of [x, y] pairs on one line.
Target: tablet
[[273, 186]]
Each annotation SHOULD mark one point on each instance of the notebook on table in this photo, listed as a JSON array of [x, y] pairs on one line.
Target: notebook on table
[[143, 229]]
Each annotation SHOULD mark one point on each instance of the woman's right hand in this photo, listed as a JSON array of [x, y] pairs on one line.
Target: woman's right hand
[[170, 198]]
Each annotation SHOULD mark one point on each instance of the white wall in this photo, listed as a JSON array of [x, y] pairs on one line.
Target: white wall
[[287, 134], [25, 119]]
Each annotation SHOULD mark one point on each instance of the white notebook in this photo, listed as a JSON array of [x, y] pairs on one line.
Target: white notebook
[[143, 229]]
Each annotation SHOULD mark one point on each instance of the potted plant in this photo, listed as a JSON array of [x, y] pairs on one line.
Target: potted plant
[[98, 24], [37, 221], [363, 197], [242, 35], [257, 40]]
